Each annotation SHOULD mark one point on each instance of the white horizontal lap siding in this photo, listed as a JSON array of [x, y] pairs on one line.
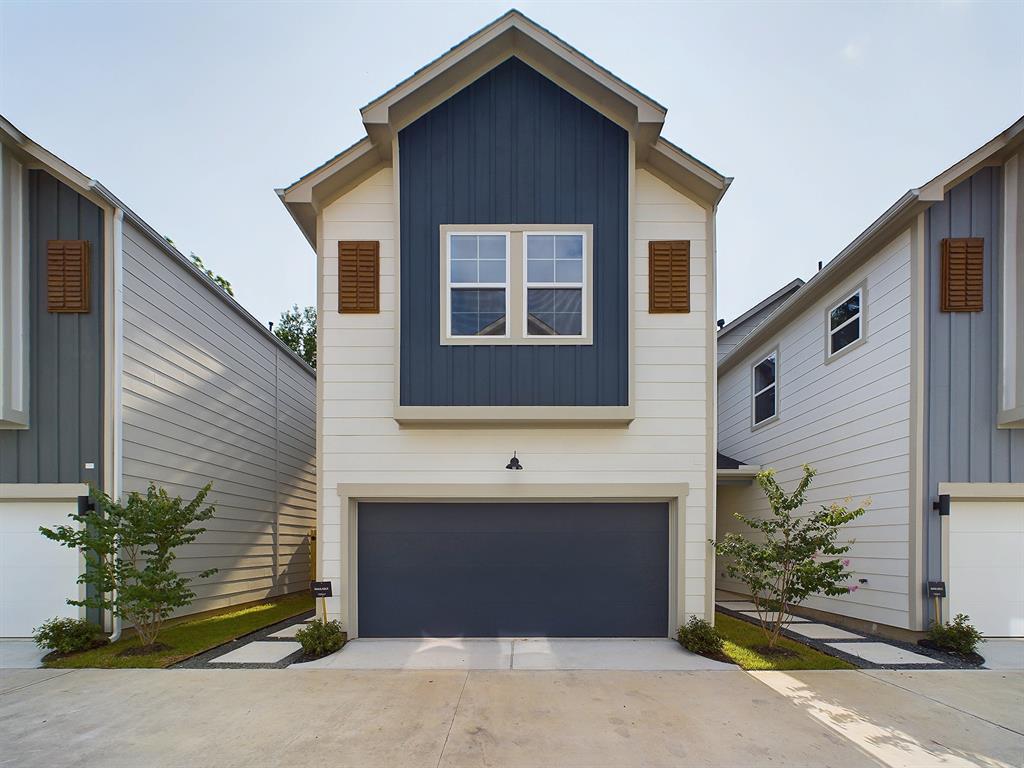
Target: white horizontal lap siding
[[361, 443], [850, 420], [208, 398]]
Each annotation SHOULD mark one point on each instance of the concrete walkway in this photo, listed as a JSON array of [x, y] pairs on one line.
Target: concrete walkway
[[459, 719], [862, 650], [650, 654]]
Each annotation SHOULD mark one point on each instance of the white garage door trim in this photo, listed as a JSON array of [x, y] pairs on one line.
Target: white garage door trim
[[37, 576], [983, 555]]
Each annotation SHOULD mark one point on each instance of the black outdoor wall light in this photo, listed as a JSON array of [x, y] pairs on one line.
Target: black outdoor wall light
[[513, 463]]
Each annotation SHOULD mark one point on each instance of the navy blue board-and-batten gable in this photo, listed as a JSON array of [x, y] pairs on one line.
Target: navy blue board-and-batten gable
[[513, 148]]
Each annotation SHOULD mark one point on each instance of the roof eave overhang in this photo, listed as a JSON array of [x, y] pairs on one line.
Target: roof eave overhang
[[307, 197], [686, 173]]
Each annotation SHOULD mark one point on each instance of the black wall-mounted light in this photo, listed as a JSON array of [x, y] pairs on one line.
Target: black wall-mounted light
[[942, 505], [513, 463]]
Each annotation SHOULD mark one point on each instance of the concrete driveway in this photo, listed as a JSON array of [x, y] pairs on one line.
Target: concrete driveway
[[461, 718], [649, 654]]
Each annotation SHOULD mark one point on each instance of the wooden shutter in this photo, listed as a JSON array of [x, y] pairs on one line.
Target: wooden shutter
[[669, 276], [67, 275], [963, 274], [359, 276]]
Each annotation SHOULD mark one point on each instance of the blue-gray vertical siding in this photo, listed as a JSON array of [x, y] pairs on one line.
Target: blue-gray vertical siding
[[66, 352], [513, 148], [962, 353]]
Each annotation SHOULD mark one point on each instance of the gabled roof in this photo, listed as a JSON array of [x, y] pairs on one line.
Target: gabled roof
[[881, 231], [782, 293], [513, 34]]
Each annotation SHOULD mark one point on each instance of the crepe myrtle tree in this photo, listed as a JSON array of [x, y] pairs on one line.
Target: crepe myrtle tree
[[794, 556], [129, 550]]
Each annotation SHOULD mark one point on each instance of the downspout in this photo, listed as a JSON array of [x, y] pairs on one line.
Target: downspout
[[118, 426]]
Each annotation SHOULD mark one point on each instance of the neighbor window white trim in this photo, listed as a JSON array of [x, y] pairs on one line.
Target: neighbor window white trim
[[773, 387], [1011, 341], [861, 292], [14, 294], [517, 288]]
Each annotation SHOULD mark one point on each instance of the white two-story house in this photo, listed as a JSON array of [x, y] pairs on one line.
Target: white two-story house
[[516, 390]]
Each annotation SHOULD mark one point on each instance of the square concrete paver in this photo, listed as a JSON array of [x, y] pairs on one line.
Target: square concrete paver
[[771, 616], [258, 652], [883, 653], [823, 632], [651, 654], [288, 631], [738, 605]]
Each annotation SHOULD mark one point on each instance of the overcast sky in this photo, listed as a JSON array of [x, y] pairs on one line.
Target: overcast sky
[[824, 114]]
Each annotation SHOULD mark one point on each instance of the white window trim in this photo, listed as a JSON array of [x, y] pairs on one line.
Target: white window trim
[[515, 294], [754, 423], [862, 291], [450, 285], [14, 294], [581, 286], [1011, 341]]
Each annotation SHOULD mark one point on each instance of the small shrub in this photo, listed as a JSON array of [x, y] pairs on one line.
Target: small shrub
[[698, 636], [959, 637], [319, 639], [69, 635]]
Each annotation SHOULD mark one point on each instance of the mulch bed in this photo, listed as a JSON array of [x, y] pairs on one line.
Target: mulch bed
[[974, 659]]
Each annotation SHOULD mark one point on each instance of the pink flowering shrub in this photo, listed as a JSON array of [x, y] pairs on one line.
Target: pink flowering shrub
[[794, 556]]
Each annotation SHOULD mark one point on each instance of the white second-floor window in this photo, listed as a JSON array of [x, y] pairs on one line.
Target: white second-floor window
[[478, 278], [846, 322], [518, 284], [764, 400], [555, 267]]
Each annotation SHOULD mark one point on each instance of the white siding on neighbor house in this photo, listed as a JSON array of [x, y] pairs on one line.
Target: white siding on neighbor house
[[850, 420], [208, 398], [732, 338], [362, 443]]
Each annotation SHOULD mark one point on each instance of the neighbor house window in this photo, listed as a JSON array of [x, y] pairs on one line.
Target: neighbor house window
[[14, 294], [527, 284], [478, 284], [554, 284], [765, 390], [846, 322]]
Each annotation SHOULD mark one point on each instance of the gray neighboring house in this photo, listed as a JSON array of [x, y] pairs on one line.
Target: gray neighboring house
[[122, 364], [897, 371], [732, 333]]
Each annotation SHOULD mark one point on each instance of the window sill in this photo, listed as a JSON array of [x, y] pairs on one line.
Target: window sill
[[514, 415], [1011, 419], [520, 341], [764, 423]]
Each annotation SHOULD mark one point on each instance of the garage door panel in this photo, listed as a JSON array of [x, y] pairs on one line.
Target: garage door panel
[[571, 569], [975, 548], [37, 576], [986, 565]]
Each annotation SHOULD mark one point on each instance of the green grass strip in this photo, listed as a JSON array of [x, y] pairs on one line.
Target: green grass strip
[[742, 638], [188, 636]]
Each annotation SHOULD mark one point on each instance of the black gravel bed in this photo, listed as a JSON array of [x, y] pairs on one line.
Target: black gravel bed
[[206, 659], [942, 660]]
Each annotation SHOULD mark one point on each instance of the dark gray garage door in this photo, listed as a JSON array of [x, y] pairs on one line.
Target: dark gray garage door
[[525, 570]]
